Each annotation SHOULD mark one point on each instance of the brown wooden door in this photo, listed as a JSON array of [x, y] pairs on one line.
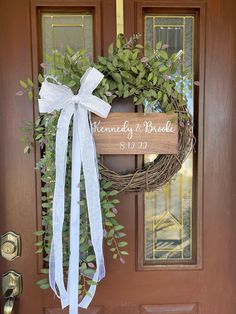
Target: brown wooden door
[[204, 283]]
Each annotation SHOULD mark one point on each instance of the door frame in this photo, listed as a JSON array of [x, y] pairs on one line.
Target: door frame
[[198, 8]]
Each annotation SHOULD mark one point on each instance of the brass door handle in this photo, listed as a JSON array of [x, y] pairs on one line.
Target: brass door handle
[[8, 306], [11, 288]]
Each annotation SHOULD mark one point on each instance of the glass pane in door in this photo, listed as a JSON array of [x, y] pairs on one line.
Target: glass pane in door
[[168, 211]]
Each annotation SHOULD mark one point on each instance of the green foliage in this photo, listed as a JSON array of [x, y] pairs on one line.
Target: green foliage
[[44, 132], [155, 78], [151, 80]]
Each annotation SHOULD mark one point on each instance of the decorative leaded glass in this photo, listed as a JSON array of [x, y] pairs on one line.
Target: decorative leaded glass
[[60, 31], [168, 211]]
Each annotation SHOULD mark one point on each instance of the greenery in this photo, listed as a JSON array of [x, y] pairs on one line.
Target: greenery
[[44, 134], [151, 80]]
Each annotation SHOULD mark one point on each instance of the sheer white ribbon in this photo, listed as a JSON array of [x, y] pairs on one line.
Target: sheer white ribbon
[[60, 97]]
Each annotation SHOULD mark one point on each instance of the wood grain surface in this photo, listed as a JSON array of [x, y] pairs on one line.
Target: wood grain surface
[[136, 133]]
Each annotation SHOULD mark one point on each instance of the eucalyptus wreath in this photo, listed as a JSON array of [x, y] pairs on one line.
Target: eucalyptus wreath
[[155, 81]]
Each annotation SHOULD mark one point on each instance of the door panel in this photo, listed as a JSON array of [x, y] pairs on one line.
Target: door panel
[[17, 193], [204, 289], [170, 309]]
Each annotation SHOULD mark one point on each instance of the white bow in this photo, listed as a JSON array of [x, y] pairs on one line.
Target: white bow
[[60, 97]]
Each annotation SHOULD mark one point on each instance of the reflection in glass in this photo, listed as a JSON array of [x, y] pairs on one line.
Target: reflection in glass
[[168, 211]]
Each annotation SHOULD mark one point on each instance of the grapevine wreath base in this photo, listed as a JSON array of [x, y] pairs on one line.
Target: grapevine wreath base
[[157, 173]]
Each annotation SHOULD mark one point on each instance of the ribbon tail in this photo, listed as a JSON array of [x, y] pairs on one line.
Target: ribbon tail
[[56, 276], [88, 156], [73, 277]]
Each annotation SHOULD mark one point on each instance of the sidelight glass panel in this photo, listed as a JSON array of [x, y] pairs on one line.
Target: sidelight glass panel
[[168, 211], [67, 30]]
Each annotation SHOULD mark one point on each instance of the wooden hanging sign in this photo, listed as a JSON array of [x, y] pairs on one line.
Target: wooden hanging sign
[[136, 133]]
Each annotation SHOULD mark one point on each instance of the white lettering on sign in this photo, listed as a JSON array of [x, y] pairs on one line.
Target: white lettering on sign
[[146, 127], [136, 133]]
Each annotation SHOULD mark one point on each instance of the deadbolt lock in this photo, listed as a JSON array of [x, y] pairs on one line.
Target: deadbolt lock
[[10, 246]]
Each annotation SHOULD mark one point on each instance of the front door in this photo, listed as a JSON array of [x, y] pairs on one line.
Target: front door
[[181, 238]]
